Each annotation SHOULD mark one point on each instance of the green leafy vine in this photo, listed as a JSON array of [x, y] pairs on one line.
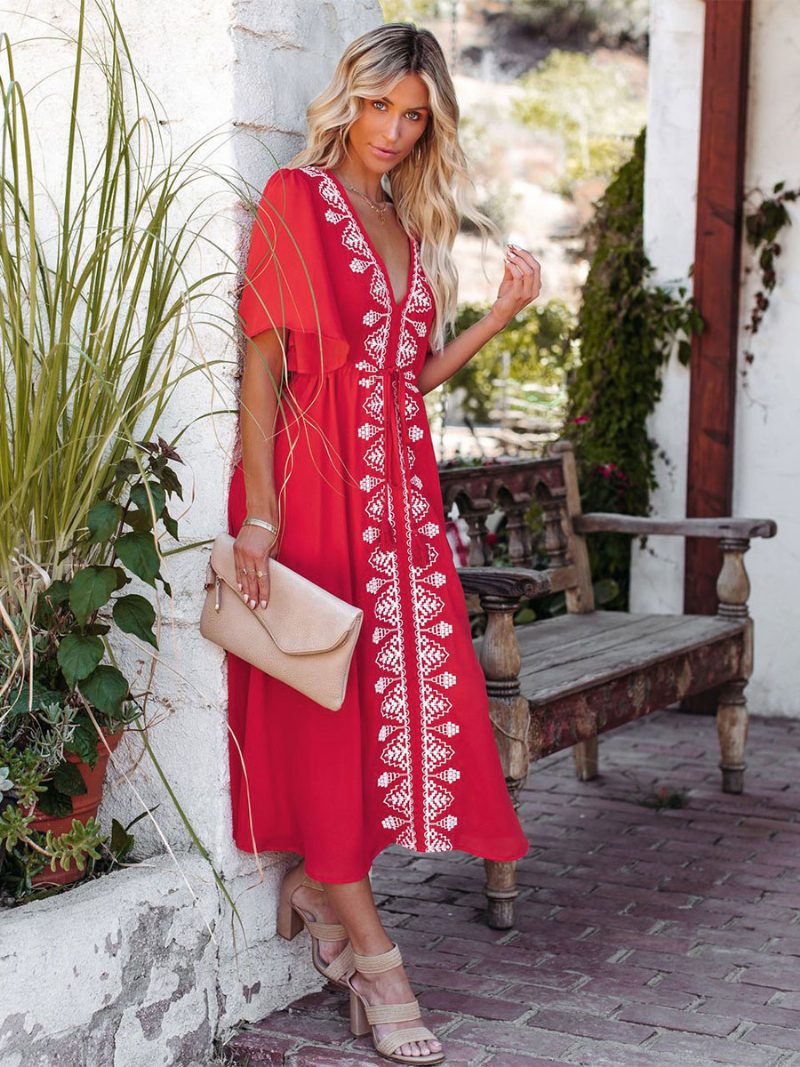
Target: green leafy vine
[[626, 328], [762, 227]]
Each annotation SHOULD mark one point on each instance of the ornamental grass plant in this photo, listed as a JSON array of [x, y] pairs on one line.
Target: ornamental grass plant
[[98, 291]]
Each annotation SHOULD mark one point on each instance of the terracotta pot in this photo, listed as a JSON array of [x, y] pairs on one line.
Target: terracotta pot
[[83, 807]]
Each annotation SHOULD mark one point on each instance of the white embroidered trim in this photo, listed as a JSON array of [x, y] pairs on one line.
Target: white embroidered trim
[[407, 775]]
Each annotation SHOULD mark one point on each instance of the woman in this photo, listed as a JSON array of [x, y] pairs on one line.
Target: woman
[[348, 295]]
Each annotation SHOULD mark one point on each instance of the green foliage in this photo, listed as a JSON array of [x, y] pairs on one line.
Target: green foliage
[[101, 296], [626, 329], [607, 22], [538, 354], [763, 225], [52, 710], [590, 105]]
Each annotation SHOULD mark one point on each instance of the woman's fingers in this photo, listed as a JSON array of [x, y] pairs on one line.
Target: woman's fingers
[[258, 581], [528, 266], [263, 583], [252, 571], [513, 268], [524, 257], [529, 270]]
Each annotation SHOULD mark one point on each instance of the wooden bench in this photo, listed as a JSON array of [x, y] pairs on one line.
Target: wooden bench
[[562, 681]]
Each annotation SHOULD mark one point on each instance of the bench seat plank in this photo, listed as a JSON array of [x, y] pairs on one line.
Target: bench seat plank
[[576, 652]]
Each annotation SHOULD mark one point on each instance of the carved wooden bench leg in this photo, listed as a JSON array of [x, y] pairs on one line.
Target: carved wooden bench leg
[[586, 759], [733, 590], [501, 892], [732, 730], [510, 715]]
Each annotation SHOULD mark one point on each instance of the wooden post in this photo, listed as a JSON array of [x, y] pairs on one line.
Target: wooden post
[[717, 276]]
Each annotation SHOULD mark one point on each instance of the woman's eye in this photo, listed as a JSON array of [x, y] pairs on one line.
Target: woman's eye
[[381, 104]]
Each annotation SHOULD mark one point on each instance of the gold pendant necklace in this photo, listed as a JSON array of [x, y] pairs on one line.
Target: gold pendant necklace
[[379, 208]]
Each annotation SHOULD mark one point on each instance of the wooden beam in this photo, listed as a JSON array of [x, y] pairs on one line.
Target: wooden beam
[[717, 274]]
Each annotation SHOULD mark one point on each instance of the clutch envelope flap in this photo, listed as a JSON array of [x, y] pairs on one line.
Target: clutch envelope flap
[[325, 625]]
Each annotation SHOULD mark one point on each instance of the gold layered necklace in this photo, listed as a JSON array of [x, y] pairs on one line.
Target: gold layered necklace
[[379, 207]]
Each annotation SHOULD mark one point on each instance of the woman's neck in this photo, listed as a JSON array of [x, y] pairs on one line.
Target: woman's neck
[[367, 182]]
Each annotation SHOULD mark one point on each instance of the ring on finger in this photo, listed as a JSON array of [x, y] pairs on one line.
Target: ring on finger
[[259, 574]]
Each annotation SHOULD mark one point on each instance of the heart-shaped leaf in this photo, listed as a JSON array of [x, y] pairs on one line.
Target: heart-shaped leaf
[[170, 524], [83, 742], [105, 688], [103, 521], [67, 779], [139, 497], [135, 615], [138, 552], [53, 802], [171, 482], [78, 655], [57, 592], [90, 589]]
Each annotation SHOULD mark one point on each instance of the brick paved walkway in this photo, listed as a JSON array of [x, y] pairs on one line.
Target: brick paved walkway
[[643, 936]]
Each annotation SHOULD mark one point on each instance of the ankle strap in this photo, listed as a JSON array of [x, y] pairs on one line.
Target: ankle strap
[[384, 961], [312, 882]]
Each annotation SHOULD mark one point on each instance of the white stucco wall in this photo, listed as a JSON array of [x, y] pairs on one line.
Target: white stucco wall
[[244, 69], [766, 464]]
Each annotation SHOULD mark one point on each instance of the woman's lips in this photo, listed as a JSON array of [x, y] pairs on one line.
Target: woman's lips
[[385, 153]]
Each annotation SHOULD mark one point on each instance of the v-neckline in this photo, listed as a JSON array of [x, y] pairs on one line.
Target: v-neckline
[[397, 304]]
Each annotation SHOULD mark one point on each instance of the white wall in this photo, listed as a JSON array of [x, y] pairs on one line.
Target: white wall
[[670, 188], [766, 464], [245, 69], [767, 456]]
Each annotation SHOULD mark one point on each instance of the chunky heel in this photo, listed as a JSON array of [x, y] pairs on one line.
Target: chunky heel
[[291, 920], [364, 1016], [359, 1024]]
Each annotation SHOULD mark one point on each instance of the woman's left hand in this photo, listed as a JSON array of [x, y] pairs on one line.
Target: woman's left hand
[[522, 283]]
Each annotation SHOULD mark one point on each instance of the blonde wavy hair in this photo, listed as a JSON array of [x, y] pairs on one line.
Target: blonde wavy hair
[[431, 187]]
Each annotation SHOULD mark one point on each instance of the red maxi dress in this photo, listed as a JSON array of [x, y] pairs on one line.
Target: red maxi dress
[[410, 758]]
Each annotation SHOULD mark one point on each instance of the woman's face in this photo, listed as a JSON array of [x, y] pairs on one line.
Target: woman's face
[[394, 122]]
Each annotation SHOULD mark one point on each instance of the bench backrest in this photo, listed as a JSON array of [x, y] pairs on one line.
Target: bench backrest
[[511, 485]]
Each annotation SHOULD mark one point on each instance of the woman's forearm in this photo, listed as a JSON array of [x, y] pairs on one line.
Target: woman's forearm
[[261, 380], [437, 369]]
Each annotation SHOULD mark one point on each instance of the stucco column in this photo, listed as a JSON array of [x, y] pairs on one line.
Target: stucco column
[[244, 71]]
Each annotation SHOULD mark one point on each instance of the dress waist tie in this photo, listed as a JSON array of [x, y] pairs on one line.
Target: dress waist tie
[[395, 429]]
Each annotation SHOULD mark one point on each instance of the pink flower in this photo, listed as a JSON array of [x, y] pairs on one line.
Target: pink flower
[[580, 420]]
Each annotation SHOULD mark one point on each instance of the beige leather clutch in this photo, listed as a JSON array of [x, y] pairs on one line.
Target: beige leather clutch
[[305, 636]]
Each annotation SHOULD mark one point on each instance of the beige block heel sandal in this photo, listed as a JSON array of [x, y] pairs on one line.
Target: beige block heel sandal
[[364, 1016], [291, 921]]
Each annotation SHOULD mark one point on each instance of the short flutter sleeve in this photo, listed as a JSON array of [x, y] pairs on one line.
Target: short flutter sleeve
[[287, 281]]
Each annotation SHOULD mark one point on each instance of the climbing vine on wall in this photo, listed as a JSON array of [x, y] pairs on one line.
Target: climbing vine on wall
[[626, 329], [762, 227]]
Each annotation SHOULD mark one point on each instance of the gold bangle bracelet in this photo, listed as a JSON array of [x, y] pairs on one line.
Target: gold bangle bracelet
[[261, 522]]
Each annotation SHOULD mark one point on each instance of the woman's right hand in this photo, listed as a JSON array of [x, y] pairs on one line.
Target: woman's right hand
[[251, 550]]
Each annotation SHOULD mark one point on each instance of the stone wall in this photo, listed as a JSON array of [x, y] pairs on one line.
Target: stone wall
[[148, 965]]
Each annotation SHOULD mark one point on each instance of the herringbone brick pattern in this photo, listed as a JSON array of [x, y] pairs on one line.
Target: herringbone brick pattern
[[644, 936]]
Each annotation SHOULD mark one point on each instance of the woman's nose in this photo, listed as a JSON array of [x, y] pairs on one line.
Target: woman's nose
[[392, 130]]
